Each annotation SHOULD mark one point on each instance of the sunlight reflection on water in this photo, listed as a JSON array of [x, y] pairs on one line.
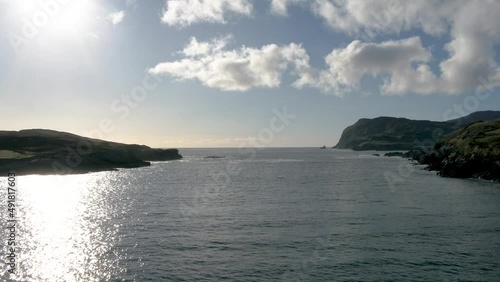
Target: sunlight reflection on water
[[261, 225], [65, 229]]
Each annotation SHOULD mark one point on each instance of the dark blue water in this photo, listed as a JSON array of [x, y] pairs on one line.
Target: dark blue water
[[276, 215]]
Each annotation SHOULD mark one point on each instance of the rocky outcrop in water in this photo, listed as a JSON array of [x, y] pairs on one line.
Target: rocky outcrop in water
[[394, 154], [415, 154]]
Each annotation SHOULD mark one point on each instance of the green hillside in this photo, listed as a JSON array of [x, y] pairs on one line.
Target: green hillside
[[390, 133], [39, 151], [473, 151]]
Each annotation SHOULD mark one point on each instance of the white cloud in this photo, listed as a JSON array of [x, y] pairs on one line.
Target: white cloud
[[474, 34], [195, 48], [116, 17], [347, 66], [280, 7], [188, 12], [403, 65], [471, 25], [369, 17], [356, 17], [237, 70]]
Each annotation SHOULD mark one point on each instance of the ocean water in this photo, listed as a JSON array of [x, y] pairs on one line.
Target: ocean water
[[290, 214]]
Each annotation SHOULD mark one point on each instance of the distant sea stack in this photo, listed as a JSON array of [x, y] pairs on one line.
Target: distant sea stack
[[470, 152], [392, 134], [40, 151]]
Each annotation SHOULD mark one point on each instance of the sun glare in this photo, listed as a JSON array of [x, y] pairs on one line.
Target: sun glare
[[64, 217], [57, 17], [74, 16]]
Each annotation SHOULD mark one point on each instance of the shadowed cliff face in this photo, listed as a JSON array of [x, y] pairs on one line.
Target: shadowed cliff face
[[40, 151], [476, 116], [389, 133], [470, 152]]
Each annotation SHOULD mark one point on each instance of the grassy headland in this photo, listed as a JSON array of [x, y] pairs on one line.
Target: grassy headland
[[39, 151]]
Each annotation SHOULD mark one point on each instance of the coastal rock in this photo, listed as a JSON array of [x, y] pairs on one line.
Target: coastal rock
[[40, 151], [394, 134], [149, 154], [394, 154], [388, 133], [416, 154], [471, 152]]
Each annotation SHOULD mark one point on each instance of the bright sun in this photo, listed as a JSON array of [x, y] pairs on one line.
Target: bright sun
[[55, 16], [74, 15]]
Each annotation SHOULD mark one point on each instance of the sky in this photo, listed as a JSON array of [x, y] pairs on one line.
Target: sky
[[239, 73]]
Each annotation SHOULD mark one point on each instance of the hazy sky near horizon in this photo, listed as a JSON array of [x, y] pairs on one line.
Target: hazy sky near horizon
[[194, 73]]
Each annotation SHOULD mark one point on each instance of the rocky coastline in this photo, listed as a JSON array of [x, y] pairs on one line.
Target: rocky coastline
[[40, 151], [394, 134], [470, 152]]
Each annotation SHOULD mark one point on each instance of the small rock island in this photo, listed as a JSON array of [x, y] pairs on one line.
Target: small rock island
[[41, 151]]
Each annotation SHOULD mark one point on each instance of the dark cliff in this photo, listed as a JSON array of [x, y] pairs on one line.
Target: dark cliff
[[470, 152], [390, 133], [39, 151]]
